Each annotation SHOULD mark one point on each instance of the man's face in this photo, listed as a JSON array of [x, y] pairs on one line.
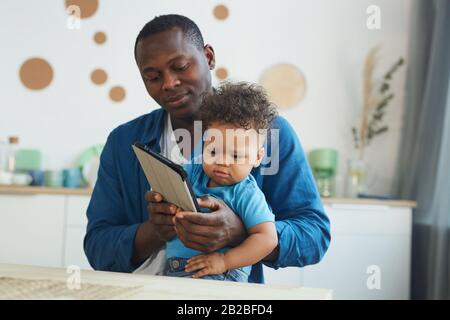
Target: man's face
[[175, 72]]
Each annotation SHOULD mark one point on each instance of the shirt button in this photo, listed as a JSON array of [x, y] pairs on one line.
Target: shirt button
[[175, 264]]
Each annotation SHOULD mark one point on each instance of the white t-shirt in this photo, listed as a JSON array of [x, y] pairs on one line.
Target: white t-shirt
[[155, 264]]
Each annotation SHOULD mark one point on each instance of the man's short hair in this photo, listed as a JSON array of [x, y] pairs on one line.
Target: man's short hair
[[168, 22]]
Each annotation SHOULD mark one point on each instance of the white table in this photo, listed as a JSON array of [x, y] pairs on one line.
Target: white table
[[168, 288]]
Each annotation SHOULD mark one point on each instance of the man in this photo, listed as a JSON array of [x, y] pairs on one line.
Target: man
[[126, 231]]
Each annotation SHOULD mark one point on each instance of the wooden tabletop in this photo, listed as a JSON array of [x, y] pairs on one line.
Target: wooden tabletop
[[30, 190], [159, 287]]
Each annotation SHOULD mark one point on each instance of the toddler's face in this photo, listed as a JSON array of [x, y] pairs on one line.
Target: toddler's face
[[230, 153]]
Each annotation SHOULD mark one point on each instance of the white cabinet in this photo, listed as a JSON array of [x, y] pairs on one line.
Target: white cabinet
[[74, 252], [290, 276], [43, 230], [368, 258], [75, 231], [76, 210], [31, 229]]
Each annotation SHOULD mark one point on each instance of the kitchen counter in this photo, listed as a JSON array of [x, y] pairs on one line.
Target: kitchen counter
[[366, 201], [30, 190], [150, 287]]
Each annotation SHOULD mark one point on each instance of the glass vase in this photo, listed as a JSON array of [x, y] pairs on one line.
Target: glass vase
[[359, 177]]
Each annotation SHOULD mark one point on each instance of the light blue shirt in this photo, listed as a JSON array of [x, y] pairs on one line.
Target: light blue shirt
[[244, 198]]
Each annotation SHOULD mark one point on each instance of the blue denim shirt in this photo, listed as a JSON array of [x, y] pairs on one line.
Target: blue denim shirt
[[117, 205]]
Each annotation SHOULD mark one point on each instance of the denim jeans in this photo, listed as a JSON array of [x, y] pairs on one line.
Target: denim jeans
[[175, 268]]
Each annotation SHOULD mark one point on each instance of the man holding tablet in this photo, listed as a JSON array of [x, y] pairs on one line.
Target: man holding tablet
[[127, 232]]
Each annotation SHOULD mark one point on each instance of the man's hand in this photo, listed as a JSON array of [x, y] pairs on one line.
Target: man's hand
[[161, 216], [158, 229], [210, 232], [213, 263]]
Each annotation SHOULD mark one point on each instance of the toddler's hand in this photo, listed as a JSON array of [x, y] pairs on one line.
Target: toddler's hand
[[212, 263]]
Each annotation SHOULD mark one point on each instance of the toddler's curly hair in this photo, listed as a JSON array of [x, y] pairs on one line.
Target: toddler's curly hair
[[243, 104]]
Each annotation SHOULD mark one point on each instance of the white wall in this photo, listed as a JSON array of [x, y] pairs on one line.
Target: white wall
[[327, 39]]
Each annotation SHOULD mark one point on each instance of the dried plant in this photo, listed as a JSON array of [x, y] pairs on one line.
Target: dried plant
[[374, 103]]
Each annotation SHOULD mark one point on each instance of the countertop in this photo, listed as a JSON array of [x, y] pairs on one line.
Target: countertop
[[29, 190], [158, 287]]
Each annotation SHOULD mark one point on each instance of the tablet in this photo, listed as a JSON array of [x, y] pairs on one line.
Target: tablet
[[167, 178]]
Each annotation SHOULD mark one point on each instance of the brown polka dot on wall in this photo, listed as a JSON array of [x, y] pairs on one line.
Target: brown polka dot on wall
[[221, 12], [87, 7], [117, 93], [285, 84], [99, 76], [100, 37], [221, 73], [36, 73]]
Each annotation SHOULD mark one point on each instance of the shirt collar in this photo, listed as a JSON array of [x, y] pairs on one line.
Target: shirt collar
[[154, 128]]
